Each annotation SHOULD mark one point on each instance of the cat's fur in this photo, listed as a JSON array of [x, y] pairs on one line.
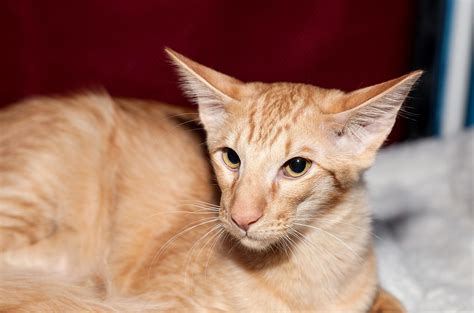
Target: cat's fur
[[108, 204]]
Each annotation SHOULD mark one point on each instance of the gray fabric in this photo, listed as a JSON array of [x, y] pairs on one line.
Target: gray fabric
[[422, 195]]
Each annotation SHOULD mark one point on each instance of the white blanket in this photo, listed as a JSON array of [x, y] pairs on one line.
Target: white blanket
[[422, 195]]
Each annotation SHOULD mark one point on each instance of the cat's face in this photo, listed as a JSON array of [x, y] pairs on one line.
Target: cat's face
[[269, 159], [284, 152]]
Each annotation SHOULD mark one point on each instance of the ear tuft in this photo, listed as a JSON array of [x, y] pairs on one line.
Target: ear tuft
[[211, 90], [196, 79], [366, 125]]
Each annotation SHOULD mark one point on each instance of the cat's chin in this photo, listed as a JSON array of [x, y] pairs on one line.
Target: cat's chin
[[254, 244], [257, 244]]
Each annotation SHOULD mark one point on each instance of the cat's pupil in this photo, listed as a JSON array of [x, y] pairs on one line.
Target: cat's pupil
[[297, 165], [233, 156]]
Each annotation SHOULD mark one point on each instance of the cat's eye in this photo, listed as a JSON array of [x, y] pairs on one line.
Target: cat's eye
[[296, 167], [230, 158]]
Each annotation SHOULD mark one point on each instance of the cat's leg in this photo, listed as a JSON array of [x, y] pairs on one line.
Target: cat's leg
[[386, 303], [56, 179]]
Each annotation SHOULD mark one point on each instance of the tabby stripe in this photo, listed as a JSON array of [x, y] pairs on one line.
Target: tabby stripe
[[21, 230], [16, 217]]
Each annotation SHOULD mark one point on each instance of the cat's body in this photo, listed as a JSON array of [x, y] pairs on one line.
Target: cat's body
[[116, 196]]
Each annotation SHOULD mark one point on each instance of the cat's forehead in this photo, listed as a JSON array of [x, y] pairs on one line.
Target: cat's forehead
[[282, 99], [272, 112], [280, 94]]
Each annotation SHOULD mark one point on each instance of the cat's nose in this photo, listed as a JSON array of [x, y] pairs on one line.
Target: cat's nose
[[245, 220]]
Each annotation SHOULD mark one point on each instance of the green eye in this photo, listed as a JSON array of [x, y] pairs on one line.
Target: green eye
[[230, 158], [296, 167]]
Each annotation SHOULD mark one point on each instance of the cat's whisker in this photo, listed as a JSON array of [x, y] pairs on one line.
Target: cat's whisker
[[320, 249], [328, 222], [291, 232], [332, 236], [291, 243], [187, 229], [285, 246], [210, 240], [334, 222], [307, 254], [180, 212], [177, 125], [194, 203], [323, 217], [272, 249], [190, 253], [201, 204], [196, 128], [311, 246], [202, 207], [188, 121], [308, 243], [236, 242], [221, 234], [182, 114], [298, 249], [204, 202], [201, 212]]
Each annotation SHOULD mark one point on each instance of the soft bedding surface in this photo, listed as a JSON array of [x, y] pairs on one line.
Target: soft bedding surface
[[422, 196]]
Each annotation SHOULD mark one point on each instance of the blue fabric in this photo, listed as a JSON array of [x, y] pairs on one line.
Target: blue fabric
[[442, 65], [470, 103]]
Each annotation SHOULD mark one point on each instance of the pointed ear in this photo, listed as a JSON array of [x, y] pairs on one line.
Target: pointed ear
[[211, 90], [369, 114]]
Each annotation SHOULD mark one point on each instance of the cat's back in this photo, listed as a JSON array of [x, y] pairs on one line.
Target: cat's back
[[89, 111], [147, 142], [95, 117]]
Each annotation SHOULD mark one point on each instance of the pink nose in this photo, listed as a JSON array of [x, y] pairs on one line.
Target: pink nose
[[245, 220]]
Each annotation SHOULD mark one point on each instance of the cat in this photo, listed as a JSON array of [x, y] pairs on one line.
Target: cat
[[110, 204]]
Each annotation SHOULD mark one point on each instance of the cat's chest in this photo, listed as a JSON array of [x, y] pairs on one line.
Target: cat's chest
[[278, 290]]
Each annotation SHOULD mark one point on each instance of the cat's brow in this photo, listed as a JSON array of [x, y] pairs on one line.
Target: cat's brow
[[306, 149], [237, 139], [300, 150]]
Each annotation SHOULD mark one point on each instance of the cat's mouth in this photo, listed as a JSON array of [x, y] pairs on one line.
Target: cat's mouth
[[254, 240]]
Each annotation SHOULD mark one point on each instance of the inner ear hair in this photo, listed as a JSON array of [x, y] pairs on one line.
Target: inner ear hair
[[211, 90], [378, 110], [203, 84]]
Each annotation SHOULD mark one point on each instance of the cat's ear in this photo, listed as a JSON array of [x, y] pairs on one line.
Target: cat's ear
[[211, 90], [368, 115]]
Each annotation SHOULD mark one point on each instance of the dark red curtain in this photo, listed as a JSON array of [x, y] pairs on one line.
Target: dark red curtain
[[57, 46]]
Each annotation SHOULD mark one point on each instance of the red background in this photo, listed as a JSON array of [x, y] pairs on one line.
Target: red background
[[57, 46]]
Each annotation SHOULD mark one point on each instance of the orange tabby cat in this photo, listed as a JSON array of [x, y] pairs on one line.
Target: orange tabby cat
[[108, 204]]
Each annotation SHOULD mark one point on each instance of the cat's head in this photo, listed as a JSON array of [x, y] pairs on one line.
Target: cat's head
[[283, 151]]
